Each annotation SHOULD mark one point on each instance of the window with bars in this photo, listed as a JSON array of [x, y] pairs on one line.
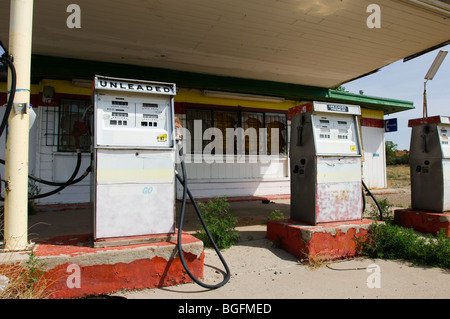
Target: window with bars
[[251, 122], [71, 111]]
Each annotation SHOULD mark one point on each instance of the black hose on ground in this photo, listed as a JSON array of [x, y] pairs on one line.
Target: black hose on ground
[[186, 192]]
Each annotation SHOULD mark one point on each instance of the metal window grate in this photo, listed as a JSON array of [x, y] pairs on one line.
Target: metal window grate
[[71, 111], [50, 135]]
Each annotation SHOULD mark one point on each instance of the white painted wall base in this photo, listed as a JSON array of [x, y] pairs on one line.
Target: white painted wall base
[[236, 188]]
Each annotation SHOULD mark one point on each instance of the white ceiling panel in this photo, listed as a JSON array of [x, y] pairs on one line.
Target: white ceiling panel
[[310, 42]]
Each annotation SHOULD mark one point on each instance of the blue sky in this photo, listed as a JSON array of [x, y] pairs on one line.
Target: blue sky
[[404, 81]]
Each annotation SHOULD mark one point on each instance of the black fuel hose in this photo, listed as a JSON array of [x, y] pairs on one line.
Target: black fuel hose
[[75, 181], [50, 183], [64, 185], [12, 92], [364, 201], [186, 192], [376, 202]]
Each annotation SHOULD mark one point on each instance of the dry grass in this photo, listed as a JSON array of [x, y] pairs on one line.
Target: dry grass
[[20, 287], [24, 281], [398, 176]]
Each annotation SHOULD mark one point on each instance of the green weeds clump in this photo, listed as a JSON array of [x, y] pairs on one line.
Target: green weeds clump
[[221, 223], [390, 241], [274, 215]]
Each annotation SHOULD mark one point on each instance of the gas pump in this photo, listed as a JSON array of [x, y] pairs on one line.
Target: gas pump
[[133, 163], [325, 162], [133, 175], [430, 163]]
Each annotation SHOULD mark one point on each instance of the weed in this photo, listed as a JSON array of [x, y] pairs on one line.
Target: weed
[[274, 215], [221, 223], [389, 241], [277, 243], [374, 213], [35, 269]]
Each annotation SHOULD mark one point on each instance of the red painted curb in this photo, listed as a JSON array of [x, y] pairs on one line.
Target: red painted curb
[[75, 269], [423, 221], [328, 241]]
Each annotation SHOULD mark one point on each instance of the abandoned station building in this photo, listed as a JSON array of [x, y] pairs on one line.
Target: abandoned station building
[[235, 65]]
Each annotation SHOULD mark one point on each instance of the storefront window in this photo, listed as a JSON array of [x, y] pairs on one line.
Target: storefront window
[[276, 121], [252, 122], [256, 127], [196, 132]]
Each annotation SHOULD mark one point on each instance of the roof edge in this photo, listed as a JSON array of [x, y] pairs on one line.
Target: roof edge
[[67, 68], [388, 105]]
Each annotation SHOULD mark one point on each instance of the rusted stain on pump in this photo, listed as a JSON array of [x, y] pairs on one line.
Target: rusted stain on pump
[[338, 202]]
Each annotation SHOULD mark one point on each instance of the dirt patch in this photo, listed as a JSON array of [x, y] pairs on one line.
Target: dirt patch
[[398, 192], [398, 176]]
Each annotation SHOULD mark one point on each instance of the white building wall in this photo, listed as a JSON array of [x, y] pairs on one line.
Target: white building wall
[[374, 164]]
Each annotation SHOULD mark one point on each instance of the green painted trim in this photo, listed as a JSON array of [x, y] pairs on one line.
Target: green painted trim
[[389, 106], [58, 68], [66, 69]]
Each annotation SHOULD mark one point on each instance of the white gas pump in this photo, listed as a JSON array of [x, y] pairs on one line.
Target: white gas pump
[[133, 164], [133, 175], [325, 163], [430, 163]]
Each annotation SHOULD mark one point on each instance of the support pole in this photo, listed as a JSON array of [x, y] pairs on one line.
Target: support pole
[[17, 138], [425, 107]]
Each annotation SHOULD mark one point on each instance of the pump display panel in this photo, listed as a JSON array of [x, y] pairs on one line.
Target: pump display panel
[[138, 115], [444, 136], [132, 121], [335, 134]]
